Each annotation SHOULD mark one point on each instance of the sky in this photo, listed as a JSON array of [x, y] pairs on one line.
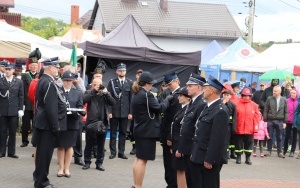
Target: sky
[[275, 20]]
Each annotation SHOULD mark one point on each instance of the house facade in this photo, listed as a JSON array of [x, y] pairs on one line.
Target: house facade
[[173, 26]]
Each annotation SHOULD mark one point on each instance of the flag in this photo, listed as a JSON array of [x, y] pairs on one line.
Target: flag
[[73, 59]]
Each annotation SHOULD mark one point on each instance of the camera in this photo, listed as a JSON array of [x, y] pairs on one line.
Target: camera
[[101, 87]]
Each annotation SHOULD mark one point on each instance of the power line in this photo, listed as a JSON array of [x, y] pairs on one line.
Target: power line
[[289, 5]]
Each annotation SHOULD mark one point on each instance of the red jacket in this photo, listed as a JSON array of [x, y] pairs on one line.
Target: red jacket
[[247, 116], [32, 90]]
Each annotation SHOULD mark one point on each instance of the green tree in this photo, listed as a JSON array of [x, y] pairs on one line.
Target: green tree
[[43, 27]]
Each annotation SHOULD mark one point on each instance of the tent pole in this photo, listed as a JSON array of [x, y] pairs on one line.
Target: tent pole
[[84, 68]]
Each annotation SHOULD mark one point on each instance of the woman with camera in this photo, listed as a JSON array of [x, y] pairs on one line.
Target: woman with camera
[[67, 139], [99, 102], [146, 109]]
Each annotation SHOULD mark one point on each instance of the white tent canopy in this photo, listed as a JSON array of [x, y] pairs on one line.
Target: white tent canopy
[[278, 56], [48, 49]]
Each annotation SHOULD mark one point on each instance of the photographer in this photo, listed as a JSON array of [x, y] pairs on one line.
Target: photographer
[[99, 101]]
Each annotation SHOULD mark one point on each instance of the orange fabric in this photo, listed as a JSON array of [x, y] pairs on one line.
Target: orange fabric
[[234, 98], [248, 116]]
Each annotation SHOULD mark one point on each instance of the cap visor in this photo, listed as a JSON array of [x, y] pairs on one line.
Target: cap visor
[[153, 82], [191, 82]]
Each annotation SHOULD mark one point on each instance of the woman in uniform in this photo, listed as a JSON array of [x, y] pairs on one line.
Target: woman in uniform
[[145, 108], [67, 139], [177, 159]]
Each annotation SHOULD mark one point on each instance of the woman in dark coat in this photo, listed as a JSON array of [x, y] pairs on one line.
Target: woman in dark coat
[[145, 108], [67, 139], [178, 162]]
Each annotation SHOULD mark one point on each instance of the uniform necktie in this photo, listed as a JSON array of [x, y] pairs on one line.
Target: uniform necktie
[[122, 83]]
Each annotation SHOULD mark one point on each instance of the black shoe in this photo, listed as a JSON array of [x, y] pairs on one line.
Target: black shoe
[[248, 161], [24, 144], [122, 156], [112, 156], [86, 166], [79, 162], [238, 159], [232, 156], [100, 167], [132, 152], [67, 175], [49, 186], [1, 156], [13, 156]]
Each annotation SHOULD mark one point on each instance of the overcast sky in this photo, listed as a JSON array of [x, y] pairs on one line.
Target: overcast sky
[[276, 20]]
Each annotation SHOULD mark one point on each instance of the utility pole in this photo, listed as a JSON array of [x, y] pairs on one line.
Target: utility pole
[[251, 22]]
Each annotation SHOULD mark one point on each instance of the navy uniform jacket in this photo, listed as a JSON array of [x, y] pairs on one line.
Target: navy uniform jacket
[[122, 95], [188, 128], [12, 97], [26, 78], [144, 126], [168, 116], [51, 110], [176, 126], [210, 141], [75, 100]]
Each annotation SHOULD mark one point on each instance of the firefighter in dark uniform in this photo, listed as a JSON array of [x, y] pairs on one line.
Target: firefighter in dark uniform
[[120, 88], [194, 108], [178, 162], [172, 81], [28, 112], [209, 148], [227, 93], [49, 120], [11, 107]]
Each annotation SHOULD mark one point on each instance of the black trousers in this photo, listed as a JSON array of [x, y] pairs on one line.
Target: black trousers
[[244, 143], [204, 178], [116, 123], [26, 125], [78, 147], [170, 172], [44, 150], [9, 123], [275, 125], [290, 132], [89, 143]]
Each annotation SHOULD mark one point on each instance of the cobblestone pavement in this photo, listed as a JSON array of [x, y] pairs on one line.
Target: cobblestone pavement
[[268, 172]]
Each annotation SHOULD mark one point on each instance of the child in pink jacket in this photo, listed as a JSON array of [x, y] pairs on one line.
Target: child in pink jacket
[[259, 137]]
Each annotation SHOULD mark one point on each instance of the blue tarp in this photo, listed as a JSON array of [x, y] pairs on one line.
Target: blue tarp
[[237, 51], [208, 53]]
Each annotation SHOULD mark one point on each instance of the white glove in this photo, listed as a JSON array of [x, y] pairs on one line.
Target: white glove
[[20, 113]]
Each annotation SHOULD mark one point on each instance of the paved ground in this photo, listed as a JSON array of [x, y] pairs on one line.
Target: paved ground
[[270, 172]]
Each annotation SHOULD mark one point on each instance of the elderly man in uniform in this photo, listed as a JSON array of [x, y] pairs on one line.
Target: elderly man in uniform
[[172, 82], [11, 107], [28, 113], [120, 88], [209, 148], [195, 90], [50, 116]]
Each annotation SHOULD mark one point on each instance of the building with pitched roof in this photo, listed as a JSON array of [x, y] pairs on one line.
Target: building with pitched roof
[[173, 26]]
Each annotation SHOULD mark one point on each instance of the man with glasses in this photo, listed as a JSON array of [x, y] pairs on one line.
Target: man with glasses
[[49, 119], [28, 113], [121, 90], [11, 109]]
